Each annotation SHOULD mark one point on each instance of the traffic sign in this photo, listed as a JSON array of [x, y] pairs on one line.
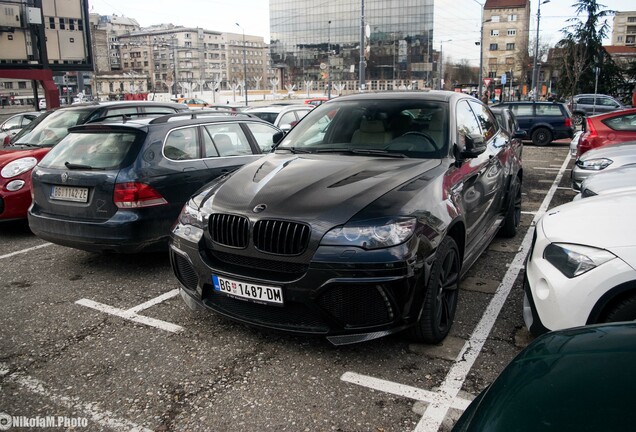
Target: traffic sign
[[503, 78], [487, 81]]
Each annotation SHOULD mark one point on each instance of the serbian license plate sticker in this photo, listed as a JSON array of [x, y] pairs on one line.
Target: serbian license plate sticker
[[65, 193], [248, 291]]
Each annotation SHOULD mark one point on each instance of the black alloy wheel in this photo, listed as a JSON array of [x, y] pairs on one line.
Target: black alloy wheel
[[541, 136], [440, 302], [513, 215]]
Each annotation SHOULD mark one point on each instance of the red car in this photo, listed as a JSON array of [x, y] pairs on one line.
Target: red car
[[34, 141], [606, 129]]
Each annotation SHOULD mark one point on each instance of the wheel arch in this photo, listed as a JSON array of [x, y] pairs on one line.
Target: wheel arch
[[610, 299], [457, 231]]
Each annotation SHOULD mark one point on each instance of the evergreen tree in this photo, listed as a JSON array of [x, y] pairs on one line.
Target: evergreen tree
[[582, 52]]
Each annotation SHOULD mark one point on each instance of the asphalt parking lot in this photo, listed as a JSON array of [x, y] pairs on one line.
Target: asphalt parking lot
[[106, 338]]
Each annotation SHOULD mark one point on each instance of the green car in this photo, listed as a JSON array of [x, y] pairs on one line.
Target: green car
[[579, 379]]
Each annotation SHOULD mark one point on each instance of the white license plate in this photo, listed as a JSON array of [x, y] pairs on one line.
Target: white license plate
[[248, 291], [65, 193]]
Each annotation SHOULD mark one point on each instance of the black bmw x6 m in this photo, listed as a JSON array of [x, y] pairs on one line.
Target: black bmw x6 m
[[359, 224]]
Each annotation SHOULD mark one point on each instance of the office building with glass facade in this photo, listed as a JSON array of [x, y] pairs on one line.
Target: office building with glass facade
[[319, 41]]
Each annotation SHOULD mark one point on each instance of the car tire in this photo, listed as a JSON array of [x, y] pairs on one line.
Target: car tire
[[541, 136], [625, 310], [577, 119], [513, 214], [442, 291]]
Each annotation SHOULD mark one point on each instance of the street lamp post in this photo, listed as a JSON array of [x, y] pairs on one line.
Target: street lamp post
[[441, 60], [535, 68], [362, 71], [244, 64], [329, 59], [481, 50]]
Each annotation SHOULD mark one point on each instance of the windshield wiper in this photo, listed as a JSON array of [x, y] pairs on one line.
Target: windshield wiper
[[73, 166], [359, 151], [294, 149]]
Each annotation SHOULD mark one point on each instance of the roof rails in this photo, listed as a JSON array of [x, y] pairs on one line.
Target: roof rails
[[199, 114], [126, 116]]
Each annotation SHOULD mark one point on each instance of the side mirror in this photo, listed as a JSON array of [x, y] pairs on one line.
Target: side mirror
[[520, 134], [474, 146], [278, 137], [286, 127]]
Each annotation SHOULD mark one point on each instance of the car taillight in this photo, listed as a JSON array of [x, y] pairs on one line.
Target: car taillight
[[568, 122], [136, 195]]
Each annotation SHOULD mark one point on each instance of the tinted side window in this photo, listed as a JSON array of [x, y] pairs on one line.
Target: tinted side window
[[549, 110], [606, 102], [467, 123], [522, 110], [181, 144], [586, 101], [263, 134], [489, 125], [622, 123], [229, 139]]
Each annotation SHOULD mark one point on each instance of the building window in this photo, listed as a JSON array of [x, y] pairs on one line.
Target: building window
[[510, 46], [52, 23], [512, 32], [71, 24], [512, 17], [619, 39], [494, 18], [22, 85], [62, 23], [492, 74], [10, 37], [493, 47], [510, 61], [80, 25], [631, 19], [494, 32]]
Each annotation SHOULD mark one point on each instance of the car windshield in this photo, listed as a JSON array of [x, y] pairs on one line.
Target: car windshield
[[91, 151], [51, 128], [269, 117], [406, 128]]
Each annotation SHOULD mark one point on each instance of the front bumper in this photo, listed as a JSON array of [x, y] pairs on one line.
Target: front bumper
[[578, 175], [14, 204], [347, 300], [554, 301], [128, 231]]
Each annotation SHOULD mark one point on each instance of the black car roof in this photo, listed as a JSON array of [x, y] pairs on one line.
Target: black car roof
[[189, 118], [109, 104]]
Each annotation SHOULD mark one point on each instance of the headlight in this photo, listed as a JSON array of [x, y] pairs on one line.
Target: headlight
[[594, 164], [574, 260], [190, 224], [369, 235], [18, 167]]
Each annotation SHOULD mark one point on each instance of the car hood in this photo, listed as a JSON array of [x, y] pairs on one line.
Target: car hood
[[310, 188], [602, 221], [7, 156], [624, 150], [612, 181]]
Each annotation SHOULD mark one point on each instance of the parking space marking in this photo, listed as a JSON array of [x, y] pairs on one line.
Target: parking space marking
[[446, 397], [529, 212], [131, 315], [9, 255], [400, 389], [155, 301], [106, 419], [436, 412], [548, 169]]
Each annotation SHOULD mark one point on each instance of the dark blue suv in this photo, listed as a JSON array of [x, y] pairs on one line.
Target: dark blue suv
[[543, 122]]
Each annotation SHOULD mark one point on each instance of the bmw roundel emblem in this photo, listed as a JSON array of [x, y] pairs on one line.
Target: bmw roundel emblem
[[64, 177], [259, 208]]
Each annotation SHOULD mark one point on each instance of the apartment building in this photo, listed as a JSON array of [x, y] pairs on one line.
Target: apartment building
[[624, 29]]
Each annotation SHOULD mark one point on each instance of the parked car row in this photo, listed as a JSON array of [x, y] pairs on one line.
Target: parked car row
[[543, 122]]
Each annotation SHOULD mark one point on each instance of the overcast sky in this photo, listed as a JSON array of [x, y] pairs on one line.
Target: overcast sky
[[455, 19]]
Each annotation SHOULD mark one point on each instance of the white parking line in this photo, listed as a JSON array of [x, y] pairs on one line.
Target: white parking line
[[106, 419], [399, 389], [131, 315], [548, 169], [436, 412], [9, 255], [529, 212], [155, 301], [446, 396]]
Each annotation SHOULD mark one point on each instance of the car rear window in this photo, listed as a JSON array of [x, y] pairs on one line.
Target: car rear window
[[51, 129], [267, 116], [622, 123], [91, 150], [549, 110]]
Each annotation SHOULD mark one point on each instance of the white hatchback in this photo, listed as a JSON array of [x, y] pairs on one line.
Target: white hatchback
[[581, 267]]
